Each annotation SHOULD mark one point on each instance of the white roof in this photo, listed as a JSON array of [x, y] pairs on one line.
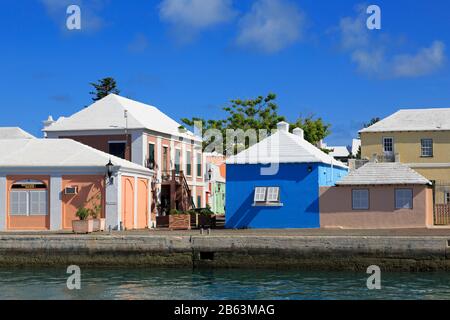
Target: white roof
[[108, 114], [57, 153], [414, 120], [339, 151], [356, 144], [14, 133], [283, 147], [391, 173]]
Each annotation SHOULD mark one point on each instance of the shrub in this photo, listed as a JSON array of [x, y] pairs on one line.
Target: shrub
[[83, 213]]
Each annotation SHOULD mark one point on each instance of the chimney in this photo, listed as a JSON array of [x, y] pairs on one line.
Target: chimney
[[283, 126], [47, 123], [299, 132]]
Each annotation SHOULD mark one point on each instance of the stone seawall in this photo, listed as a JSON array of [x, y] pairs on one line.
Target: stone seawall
[[302, 252]]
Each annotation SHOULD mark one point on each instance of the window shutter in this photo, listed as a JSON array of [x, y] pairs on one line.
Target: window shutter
[[260, 194], [273, 194]]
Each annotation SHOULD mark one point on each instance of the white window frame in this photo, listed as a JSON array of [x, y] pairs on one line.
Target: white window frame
[[407, 199], [392, 145], [358, 203], [426, 148], [260, 194], [267, 196], [188, 162], [273, 194]]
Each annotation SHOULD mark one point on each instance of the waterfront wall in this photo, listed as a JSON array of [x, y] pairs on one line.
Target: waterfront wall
[[336, 208], [302, 252]]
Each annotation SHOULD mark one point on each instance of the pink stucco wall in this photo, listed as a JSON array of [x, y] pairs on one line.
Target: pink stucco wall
[[336, 209]]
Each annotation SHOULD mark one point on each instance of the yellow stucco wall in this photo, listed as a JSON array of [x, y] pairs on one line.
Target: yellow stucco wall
[[407, 145]]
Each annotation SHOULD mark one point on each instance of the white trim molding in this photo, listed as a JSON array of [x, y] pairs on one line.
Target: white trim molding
[[428, 165]]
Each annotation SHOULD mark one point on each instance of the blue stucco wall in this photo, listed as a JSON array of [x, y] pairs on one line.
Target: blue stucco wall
[[299, 194], [329, 175]]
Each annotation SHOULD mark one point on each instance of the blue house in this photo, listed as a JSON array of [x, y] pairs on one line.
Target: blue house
[[275, 183]]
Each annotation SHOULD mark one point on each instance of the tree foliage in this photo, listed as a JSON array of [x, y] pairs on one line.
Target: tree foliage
[[260, 113], [372, 122], [103, 88]]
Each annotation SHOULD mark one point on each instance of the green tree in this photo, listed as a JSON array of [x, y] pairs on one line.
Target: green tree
[[372, 122], [260, 113], [103, 88]]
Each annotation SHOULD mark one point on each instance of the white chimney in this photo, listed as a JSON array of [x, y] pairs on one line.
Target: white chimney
[[283, 126], [299, 132], [47, 123]]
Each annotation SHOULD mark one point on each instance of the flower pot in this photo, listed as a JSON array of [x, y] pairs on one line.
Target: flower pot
[[180, 222], [99, 224], [162, 221], [83, 226]]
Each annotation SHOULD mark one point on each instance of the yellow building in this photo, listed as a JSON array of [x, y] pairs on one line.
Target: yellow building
[[419, 138]]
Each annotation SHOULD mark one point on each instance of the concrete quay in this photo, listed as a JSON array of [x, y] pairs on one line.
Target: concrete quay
[[406, 251]]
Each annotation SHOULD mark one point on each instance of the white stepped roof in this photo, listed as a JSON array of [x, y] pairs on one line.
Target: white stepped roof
[[338, 151], [108, 114], [283, 147], [392, 173], [14, 133], [413, 120], [57, 153]]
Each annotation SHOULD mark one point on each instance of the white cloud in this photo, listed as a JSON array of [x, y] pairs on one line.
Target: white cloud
[[189, 17], [271, 26], [376, 56], [91, 20], [426, 61]]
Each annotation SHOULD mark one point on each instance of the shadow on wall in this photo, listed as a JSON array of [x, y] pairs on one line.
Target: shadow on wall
[[245, 214]]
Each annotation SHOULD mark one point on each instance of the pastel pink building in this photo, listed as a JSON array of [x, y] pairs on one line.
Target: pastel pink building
[[378, 196], [144, 135]]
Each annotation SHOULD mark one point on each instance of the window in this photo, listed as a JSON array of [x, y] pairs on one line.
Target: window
[[38, 203], [28, 198], [165, 158], [117, 149], [447, 197], [199, 201], [273, 194], [188, 163], [151, 156], [403, 199], [426, 147], [388, 145], [19, 203], [360, 199], [177, 160], [260, 194], [267, 196], [199, 165]]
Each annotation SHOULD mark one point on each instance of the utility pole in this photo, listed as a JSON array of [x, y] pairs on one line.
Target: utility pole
[[125, 115]]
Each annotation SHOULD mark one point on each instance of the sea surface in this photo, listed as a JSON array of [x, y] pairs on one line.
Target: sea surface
[[173, 284]]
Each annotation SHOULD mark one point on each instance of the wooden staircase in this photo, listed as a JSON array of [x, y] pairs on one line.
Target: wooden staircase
[[180, 193]]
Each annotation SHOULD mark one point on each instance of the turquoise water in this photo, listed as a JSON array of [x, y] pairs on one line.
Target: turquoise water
[[218, 284]]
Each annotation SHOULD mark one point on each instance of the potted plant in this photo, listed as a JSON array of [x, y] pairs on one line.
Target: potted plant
[[205, 218], [95, 212], [84, 225], [179, 220]]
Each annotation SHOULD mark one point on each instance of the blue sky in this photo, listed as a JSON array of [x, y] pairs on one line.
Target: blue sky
[[189, 57]]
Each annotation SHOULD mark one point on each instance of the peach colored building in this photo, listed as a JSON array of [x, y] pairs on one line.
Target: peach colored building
[[145, 136], [43, 182], [378, 196]]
